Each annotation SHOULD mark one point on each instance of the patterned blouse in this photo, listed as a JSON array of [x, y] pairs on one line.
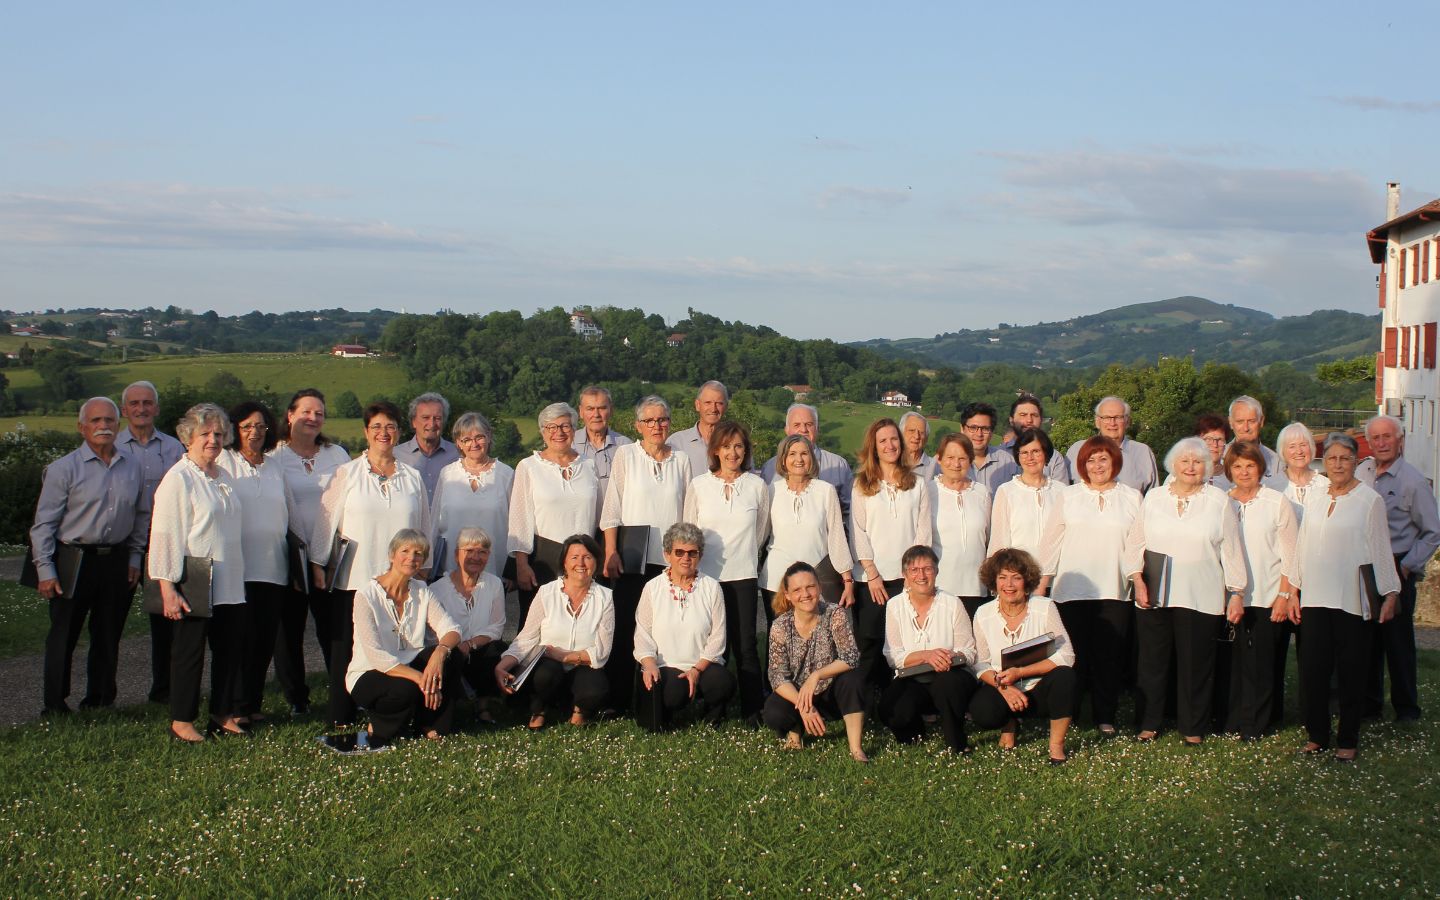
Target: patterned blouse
[[793, 658]]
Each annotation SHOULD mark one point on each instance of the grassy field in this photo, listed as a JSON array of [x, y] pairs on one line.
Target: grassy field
[[280, 372], [104, 803], [24, 620]]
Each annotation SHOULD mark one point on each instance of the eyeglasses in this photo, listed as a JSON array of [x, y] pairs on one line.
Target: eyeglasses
[[472, 439], [1214, 441], [557, 428], [920, 570], [1112, 420], [378, 428], [681, 553], [1340, 459], [980, 429], [653, 422], [257, 426]]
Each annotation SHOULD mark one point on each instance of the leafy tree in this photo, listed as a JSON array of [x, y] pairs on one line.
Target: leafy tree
[[347, 406], [59, 370], [1344, 371]]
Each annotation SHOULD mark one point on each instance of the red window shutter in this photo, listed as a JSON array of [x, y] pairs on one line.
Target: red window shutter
[[1392, 340], [1425, 264], [1379, 378], [1404, 254], [1380, 282], [1415, 264], [1430, 328], [1405, 347]]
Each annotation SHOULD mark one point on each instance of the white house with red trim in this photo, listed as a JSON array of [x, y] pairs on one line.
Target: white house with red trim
[[895, 398], [349, 351], [584, 326], [1407, 381]]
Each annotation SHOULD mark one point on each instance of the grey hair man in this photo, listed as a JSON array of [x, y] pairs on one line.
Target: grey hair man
[[1410, 512], [1112, 419], [428, 451], [711, 402], [1247, 418], [804, 419], [597, 441], [91, 525]]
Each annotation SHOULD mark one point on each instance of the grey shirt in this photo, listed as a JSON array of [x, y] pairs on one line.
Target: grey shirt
[[604, 457], [834, 470], [690, 443], [999, 468], [1139, 469], [156, 457], [1411, 514], [429, 466], [85, 501]]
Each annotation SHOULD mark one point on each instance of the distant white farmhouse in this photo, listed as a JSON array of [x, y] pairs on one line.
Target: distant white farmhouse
[[894, 398], [583, 325], [1407, 382], [349, 351]]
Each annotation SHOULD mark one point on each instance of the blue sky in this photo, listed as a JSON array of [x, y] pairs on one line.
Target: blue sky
[[829, 169]]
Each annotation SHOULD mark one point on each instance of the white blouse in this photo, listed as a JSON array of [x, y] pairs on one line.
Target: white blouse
[[552, 501], [1297, 495], [946, 625], [962, 529], [307, 483], [196, 515], [887, 523], [1201, 535], [369, 512], [264, 494], [482, 614], [1268, 534], [679, 628], [462, 500], [1087, 539], [736, 521], [551, 624], [1335, 543], [992, 638], [804, 527], [384, 640], [646, 491], [1017, 515]]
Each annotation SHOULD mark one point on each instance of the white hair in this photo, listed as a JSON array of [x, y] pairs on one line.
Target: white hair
[[430, 397], [1112, 399], [1399, 426], [912, 414], [473, 536], [556, 411], [814, 413], [1291, 433], [714, 385], [80, 413], [139, 384], [1250, 402], [1190, 446]]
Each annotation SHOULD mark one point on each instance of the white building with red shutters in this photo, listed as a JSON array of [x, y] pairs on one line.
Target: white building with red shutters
[[1407, 380]]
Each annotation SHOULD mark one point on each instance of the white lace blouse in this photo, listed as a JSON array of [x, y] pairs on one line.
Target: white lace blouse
[[462, 500], [266, 508], [735, 519], [962, 530], [552, 501], [804, 527], [646, 491], [887, 523], [196, 515], [368, 511]]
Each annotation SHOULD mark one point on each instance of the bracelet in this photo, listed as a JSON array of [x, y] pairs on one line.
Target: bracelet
[[1283, 595]]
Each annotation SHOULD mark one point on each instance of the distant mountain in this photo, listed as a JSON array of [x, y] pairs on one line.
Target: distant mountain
[[1180, 326]]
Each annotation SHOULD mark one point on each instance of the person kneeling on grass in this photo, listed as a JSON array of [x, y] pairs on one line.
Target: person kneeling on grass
[[1044, 688], [566, 639], [813, 660], [680, 636], [392, 674]]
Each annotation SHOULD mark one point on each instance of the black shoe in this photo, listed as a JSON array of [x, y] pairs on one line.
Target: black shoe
[[87, 703]]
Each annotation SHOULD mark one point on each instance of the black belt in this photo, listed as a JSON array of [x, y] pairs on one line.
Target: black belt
[[99, 549]]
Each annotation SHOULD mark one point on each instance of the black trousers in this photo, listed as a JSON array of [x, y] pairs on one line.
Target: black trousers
[[1336, 644], [290, 645], [657, 706], [620, 668], [394, 702], [162, 634], [973, 604], [223, 631], [844, 696], [1393, 649], [741, 641], [1100, 631], [550, 684], [1052, 697], [478, 668], [907, 700], [263, 602], [1256, 689], [341, 709], [102, 592], [1190, 637], [869, 620]]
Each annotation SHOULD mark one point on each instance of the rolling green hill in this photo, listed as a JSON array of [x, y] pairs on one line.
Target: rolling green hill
[[1180, 326]]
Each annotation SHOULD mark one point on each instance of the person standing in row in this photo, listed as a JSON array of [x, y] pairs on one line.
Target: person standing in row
[[596, 441], [915, 434], [891, 514], [157, 453], [370, 499], [1112, 420], [805, 526], [961, 508], [1414, 529], [1026, 413], [93, 501], [1019, 507], [992, 466], [428, 452], [472, 492], [711, 403], [831, 468], [308, 460], [1247, 419], [731, 506]]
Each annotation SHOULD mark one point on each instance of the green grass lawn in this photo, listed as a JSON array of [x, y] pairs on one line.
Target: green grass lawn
[[25, 618], [105, 803]]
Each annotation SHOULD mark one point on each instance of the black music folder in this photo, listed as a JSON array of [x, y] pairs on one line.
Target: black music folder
[[194, 585], [925, 668], [67, 560], [1027, 653], [1156, 575], [342, 551], [633, 542], [297, 555]]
